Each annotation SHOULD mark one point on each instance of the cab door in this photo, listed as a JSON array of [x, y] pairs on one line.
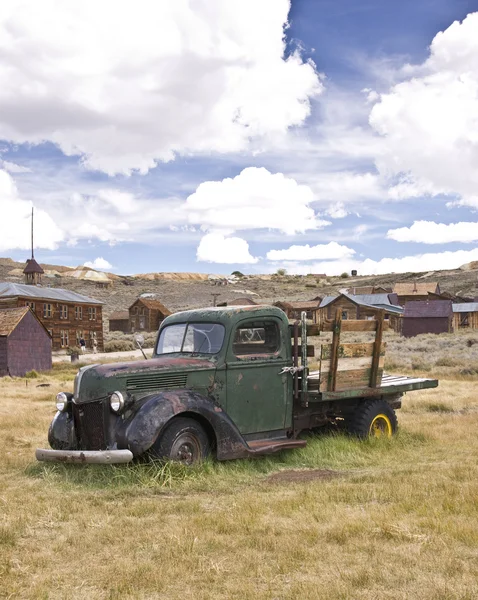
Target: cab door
[[258, 396]]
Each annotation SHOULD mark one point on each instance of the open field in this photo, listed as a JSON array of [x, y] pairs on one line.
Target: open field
[[339, 519]]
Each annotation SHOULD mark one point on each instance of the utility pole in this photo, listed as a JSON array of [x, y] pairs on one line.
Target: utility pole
[[215, 296], [32, 232]]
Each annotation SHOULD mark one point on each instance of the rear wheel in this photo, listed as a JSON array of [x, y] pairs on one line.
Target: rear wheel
[[183, 440], [373, 418]]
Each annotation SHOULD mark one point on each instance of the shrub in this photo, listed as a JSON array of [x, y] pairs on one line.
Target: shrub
[[471, 342], [310, 285], [119, 346], [344, 275], [281, 272], [237, 274], [31, 375], [73, 350]]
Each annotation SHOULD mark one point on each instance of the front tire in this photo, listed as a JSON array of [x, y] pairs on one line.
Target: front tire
[[182, 440], [373, 418]]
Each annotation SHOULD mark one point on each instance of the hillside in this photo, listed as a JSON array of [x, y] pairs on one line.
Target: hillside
[[193, 290]]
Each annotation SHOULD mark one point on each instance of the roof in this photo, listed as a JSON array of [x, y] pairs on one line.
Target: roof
[[306, 305], [32, 267], [10, 318], [372, 299], [380, 302], [365, 289], [242, 302], [152, 305], [327, 300], [425, 309], [465, 307], [412, 288], [119, 315], [13, 290]]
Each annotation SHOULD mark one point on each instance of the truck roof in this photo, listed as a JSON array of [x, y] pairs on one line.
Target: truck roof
[[226, 315]]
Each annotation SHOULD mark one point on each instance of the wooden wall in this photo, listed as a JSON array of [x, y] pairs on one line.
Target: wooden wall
[[459, 320], [28, 348], [412, 326]]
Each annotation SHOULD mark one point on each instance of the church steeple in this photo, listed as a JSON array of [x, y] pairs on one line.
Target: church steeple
[[32, 270]]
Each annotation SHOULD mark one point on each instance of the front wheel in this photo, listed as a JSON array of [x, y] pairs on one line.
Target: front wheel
[[183, 440], [373, 418]]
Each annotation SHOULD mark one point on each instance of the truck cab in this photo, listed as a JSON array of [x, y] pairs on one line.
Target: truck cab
[[226, 381]]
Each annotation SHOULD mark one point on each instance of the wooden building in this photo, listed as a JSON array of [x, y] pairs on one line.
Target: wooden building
[[66, 315], [413, 291], [434, 316], [465, 316], [25, 344], [364, 306], [293, 310], [33, 272], [146, 314], [119, 321]]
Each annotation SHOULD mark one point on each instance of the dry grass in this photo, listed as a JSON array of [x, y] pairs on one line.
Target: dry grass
[[397, 521]]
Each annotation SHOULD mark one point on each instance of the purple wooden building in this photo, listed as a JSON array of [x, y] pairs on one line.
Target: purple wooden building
[[435, 316], [25, 344]]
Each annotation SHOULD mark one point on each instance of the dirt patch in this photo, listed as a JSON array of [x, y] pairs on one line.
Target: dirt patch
[[300, 476]]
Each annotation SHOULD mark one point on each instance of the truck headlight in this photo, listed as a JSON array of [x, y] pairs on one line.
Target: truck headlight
[[61, 401], [116, 402]]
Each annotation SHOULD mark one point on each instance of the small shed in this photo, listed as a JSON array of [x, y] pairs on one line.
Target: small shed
[[293, 310], [119, 321], [434, 316], [146, 314], [465, 315], [25, 344], [363, 306]]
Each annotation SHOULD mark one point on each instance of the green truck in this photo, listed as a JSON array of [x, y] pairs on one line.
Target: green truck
[[230, 382]]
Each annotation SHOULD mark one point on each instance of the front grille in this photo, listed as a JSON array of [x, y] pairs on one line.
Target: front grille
[[150, 383], [89, 425]]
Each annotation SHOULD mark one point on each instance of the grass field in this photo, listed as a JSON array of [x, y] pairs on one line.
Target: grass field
[[339, 519]]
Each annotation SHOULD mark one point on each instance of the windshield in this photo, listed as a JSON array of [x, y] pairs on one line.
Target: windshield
[[204, 338]]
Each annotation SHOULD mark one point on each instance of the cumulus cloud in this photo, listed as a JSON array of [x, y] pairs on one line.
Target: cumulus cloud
[[332, 250], [419, 262], [216, 248], [99, 263], [15, 221], [337, 211], [429, 232], [254, 199], [126, 85], [429, 121], [11, 167]]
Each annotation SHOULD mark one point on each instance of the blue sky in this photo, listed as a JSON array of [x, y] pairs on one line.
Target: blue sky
[[200, 139]]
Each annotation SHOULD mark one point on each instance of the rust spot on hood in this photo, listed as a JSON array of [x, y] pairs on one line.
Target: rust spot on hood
[[162, 363]]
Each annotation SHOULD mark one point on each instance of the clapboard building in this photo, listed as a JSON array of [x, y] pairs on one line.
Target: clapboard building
[[434, 316], [364, 306], [146, 314], [25, 344], [465, 316], [119, 321], [293, 310], [66, 315]]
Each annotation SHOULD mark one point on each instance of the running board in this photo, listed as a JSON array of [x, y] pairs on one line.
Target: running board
[[269, 446]]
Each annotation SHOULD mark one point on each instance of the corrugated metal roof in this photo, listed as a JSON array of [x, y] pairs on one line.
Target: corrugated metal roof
[[435, 308], [10, 318], [372, 299], [12, 290], [465, 307], [327, 300]]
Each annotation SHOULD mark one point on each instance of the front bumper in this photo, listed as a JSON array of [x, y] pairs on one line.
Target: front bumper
[[84, 456]]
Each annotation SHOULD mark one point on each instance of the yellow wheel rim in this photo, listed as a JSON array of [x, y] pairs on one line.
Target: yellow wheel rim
[[381, 426]]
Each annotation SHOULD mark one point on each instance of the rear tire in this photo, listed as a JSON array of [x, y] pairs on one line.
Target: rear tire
[[373, 418], [183, 440]]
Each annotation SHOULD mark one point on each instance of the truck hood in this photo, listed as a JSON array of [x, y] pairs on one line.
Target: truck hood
[[97, 381]]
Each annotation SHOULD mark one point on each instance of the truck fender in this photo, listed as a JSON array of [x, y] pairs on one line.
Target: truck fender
[[61, 434], [157, 410]]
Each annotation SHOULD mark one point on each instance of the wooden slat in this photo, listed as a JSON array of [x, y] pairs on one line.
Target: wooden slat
[[352, 364], [348, 380], [375, 377], [350, 350], [334, 356], [348, 326]]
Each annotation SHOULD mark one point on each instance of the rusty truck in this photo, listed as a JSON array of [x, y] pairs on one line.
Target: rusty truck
[[231, 382]]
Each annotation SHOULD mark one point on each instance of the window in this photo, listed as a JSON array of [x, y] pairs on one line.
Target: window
[[78, 313], [31, 305], [46, 311], [92, 313], [142, 322], [256, 337], [142, 311], [64, 338], [464, 321], [345, 314], [203, 338], [63, 311], [79, 335]]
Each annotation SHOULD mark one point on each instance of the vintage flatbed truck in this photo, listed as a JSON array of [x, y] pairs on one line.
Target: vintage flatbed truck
[[231, 381]]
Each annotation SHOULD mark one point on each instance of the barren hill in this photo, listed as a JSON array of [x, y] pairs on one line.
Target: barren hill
[[193, 290]]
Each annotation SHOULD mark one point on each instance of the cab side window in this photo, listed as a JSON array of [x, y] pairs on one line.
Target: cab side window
[[256, 337]]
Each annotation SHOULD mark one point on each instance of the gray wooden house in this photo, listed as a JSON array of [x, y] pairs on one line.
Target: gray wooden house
[[146, 314], [435, 316], [25, 343]]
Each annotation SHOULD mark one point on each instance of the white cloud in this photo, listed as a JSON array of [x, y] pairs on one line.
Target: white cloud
[[346, 187], [429, 232], [430, 121], [254, 199], [126, 85], [13, 167], [216, 248], [419, 262], [15, 221], [337, 211], [332, 250], [99, 263]]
